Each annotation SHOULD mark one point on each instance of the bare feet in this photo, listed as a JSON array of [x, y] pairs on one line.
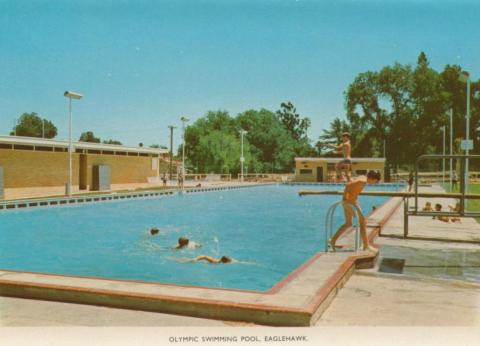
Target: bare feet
[[331, 245], [371, 249]]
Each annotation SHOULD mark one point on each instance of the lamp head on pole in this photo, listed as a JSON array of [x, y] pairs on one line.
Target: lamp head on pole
[[72, 95], [184, 119], [464, 77]]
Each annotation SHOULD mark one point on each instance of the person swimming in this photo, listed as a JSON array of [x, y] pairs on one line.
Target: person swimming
[[154, 231], [184, 242], [209, 259]]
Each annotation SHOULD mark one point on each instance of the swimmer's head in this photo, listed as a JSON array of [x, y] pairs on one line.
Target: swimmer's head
[[373, 177], [225, 259], [154, 231], [183, 241]]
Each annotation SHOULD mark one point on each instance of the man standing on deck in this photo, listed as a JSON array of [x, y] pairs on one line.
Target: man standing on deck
[[344, 148], [349, 203]]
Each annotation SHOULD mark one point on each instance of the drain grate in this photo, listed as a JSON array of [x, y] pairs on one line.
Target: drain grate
[[392, 265]]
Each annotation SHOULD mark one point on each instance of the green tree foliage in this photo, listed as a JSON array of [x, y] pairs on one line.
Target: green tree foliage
[[213, 143], [112, 141], [291, 120], [331, 136], [31, 125], [158, 146], [272, 145], [89, 137], [406, 107]]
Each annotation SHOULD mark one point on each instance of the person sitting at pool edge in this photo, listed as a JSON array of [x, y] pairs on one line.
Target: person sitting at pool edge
[[427, 207], [455, 209], [350, 195], [438, 208], [184, 242], [223, 259]]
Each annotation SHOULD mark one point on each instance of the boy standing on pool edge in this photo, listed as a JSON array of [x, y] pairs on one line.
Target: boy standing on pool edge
[[350, 195]]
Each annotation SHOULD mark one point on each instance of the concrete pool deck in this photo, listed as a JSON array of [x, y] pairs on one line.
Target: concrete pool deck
[[302, 297]]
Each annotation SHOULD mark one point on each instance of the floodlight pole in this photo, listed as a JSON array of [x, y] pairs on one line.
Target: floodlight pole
[[465, 77], [171, 127], [467, 133], [242, 159], [451, 147], [69, 186], [443, 159], [77, 96], [184, 120]]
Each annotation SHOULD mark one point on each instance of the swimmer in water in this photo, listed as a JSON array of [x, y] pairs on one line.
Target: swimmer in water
[[185, 243], [223, 259], [154, 231]]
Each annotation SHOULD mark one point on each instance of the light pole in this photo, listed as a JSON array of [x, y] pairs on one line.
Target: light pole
[[71, 95], [242, 159], [43, 128], [184, 120], [171, 127], [443, 128], [451, 147], [465, 78]]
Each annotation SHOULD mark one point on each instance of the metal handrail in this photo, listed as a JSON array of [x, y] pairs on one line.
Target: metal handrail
[[329, 223]]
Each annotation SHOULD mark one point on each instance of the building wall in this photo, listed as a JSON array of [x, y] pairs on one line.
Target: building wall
[[312, 165], [124, 169], [26, 168], [309, 165]]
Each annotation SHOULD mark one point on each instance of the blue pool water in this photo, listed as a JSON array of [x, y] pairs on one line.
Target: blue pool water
[[269, 230]]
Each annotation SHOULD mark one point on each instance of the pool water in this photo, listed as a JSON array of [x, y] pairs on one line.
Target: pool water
[[268, 230]]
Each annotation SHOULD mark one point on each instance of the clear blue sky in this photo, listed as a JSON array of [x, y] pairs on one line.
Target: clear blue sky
[[143, 64]]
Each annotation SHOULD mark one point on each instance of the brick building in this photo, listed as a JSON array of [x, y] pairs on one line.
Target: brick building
[[33, 162]]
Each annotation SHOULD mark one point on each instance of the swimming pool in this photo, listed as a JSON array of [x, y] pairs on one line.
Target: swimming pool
[[268, 230]]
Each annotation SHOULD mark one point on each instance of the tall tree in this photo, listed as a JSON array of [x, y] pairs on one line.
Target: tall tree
[[291, 120], [406, 107], [89, 137], [332, 136], [32, 125]]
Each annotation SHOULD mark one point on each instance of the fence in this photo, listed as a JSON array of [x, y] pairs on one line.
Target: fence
[[432, 177], [208, 177], [259, 177]]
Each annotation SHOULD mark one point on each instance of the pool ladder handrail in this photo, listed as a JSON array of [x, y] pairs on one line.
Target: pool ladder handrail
[[329, 223]]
